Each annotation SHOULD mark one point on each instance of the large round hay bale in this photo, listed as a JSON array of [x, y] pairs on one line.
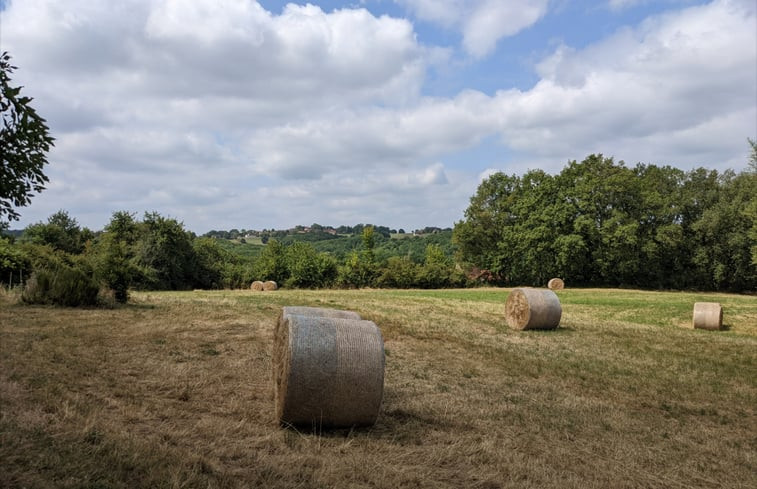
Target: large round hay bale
[[555, 284], [257, 285], [707, 315], [328, 372], [270, 285], [528, 308]]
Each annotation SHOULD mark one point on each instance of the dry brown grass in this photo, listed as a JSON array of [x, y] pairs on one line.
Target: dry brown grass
[[175, 390]]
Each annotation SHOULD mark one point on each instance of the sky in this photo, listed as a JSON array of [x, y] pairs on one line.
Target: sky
[[240, 114]]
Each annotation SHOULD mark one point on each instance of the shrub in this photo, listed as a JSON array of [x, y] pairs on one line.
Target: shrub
[[400, 272], [61, 286], [235, 275], [14, 263], [307, 268], [271, 264], [357, 272], [114, 268]]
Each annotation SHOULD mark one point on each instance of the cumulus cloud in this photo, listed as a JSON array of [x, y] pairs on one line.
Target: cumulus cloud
[[623, 4], [175, 90], [203, 110], [682, 76], [373, 137], [482, 23]]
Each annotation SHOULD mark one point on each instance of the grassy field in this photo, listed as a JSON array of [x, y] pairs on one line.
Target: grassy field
[[174, 390]]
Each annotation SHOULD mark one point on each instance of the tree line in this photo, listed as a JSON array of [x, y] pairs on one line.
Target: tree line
[[601, 223], [60, 262], [596, 223]]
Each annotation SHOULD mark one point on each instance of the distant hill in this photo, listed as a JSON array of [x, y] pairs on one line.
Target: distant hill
[[12, 232], [340, 241]]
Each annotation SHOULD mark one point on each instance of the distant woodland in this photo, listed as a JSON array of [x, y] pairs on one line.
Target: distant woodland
[[596, 223], [601, 223]]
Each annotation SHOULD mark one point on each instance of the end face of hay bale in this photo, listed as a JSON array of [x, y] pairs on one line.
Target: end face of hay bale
[[527, 308], [556, 284], [707, 315], [257, 285], [328, 372], [270, 285]]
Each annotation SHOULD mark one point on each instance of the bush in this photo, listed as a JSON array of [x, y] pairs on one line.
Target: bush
[[61, 286], [114, 268], [400, 272], [235, 276], [271, 264], [14, 263], [307, 268], [357, 272]]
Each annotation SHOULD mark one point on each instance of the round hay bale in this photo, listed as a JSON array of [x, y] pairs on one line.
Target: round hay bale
[[328, 372], [707, 315], [555, 284], [270, 285], [257, 285], [527, 308]]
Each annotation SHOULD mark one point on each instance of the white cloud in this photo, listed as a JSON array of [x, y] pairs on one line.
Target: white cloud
[[431, 175], [623, 4], [227, 115], [372, 137], [491, 20], [482, 23], [682, 73]]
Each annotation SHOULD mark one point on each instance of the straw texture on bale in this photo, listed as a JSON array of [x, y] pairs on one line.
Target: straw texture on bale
[[527, 308], [328, 371], [322, 312], [707, 315], [270, 285], [257, 285], [556, 284]]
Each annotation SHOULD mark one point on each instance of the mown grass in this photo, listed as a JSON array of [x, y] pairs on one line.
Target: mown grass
[[174, 390]]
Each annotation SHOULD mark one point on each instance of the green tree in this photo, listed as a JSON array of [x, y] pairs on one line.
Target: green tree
[[723, 248], [212, 262], [14, 263], [25, 142], [115, 254], [663, 258], [369, 244], [360, 269], [399, 272], [61, 232], [527, 250], [271, 264], [357, 272], [700, 191], [751, 209], [307, 268], [437, 271], [490, 212], [604, 201], [165, 254]]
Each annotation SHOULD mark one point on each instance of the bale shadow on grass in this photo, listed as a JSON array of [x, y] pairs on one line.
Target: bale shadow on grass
[[561, 329], [405, 426]]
